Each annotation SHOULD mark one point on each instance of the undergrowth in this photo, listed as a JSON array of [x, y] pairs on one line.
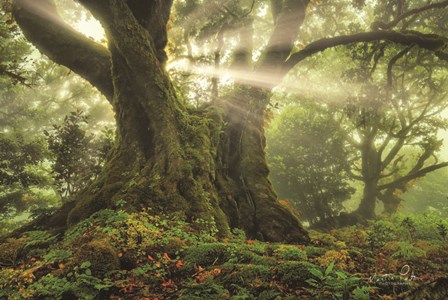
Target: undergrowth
[[120, 255]]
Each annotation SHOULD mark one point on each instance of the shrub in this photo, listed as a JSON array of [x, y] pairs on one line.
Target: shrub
[[341, 259], [380, 233], [13, 284]]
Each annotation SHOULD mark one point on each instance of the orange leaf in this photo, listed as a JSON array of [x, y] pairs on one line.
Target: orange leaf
[[250, 242], [168, 283], [179, 263], [150, 258], [165, 255], [120, 254], [61, 266]]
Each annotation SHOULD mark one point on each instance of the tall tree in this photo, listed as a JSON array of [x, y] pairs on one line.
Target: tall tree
[[207, 163]]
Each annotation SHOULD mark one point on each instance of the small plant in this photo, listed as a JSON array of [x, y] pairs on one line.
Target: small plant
[[410, 227], [336, 284], [443, 230], [50, 286], [362, 292], [381, 233], [408, 252], [39, 239], [58, 255]]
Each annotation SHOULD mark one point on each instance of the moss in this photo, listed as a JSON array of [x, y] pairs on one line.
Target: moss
[[352, 236], [102, 256], [249, 257], [208, 254], [247, 274], [313, 252], [322, 239], [173, 246], [294, 273]]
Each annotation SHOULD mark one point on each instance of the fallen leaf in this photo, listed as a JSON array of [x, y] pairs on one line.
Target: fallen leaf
[[168, 283]]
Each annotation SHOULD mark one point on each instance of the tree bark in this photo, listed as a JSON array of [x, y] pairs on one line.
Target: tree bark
[[206, 164]]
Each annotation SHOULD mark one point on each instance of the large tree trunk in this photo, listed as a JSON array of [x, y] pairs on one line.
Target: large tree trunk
[[208, 163]]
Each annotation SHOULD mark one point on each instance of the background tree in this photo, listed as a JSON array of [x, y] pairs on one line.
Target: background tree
[[22, 178], [78, 156], [385, 120], [308, 161], [206, 163]]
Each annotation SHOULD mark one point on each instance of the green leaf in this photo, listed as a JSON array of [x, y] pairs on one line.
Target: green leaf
[[341, 274], [317, 273], [329, 268], [312, 282], [86, 265]]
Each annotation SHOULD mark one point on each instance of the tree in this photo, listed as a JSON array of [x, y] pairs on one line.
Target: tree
[[388, 119], [207, 163], [78, 157], [308, 161], [22, 177]]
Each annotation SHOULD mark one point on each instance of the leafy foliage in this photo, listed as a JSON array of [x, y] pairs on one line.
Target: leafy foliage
[[308, 161], [78, 159]]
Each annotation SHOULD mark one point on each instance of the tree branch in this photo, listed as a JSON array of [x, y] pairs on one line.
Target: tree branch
[[407, 178], [412, 12], [392, 63], [427, 41], [286, 27], [43, 27]]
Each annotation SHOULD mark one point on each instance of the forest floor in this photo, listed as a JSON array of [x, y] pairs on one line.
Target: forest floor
[[119, 255]]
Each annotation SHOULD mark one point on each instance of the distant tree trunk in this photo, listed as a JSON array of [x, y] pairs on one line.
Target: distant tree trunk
[[208, 164], [370, 170], [368, 201]]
